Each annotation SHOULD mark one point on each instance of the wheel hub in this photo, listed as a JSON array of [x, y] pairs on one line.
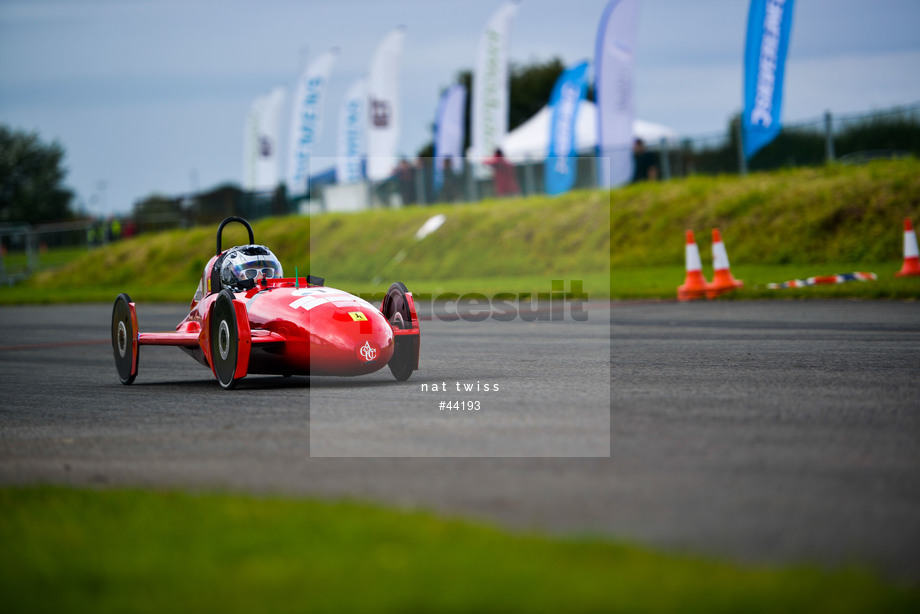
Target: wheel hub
[[122, 339], [223, 340]]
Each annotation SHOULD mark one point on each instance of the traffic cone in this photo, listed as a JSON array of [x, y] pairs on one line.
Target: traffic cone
[[911, 260], [722, 280], [695, 284]]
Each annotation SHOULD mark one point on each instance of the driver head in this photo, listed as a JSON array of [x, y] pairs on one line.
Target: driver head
[[241, 266]]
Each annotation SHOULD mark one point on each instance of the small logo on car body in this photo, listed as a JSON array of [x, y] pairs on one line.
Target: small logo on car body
[[367, 352]]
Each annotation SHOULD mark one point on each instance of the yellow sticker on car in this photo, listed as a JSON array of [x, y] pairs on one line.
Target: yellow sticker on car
[[358, 316]]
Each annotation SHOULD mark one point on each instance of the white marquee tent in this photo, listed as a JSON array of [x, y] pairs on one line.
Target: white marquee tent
[[530, 140]]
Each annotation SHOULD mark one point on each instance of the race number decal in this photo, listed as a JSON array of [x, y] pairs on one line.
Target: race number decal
[[314, 297]]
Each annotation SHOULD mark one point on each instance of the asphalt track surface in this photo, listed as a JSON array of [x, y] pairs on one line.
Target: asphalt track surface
[[768, 432]]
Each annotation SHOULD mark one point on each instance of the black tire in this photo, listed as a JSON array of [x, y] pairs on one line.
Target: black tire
[[225, 340], [395, 309], [124, 340]]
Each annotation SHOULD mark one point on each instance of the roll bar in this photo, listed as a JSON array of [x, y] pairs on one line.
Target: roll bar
[[220, 230]]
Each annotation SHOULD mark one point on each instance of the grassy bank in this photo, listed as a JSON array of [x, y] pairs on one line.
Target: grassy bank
[[68, 550], [777, 226]]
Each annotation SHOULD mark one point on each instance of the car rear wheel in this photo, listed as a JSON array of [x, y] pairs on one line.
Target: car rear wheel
[[395, 309]]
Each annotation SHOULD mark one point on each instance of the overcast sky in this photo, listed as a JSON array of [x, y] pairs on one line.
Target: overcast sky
[[150, 96]]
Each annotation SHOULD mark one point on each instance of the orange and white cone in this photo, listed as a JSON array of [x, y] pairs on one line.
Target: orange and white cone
[[695, 284], [722, 280], [911, 255]]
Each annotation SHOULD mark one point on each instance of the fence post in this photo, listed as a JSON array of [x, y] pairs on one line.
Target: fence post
[[530, 186], [471, 195], [742, 161], [829, 137], [420, 180], [31, 252], [371, 196], [665, 157], [3, 278]]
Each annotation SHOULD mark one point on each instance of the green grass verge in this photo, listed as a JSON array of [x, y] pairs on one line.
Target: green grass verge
[[777, 226], [67, 550], [662, 281], [657, 282]]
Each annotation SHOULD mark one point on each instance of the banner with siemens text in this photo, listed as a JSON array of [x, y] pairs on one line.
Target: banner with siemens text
[[261, 159], [613, 68], [560, 167], [307, 119], [350, 159], [449, 132], [769, 28], [490, 83], [383, 106]]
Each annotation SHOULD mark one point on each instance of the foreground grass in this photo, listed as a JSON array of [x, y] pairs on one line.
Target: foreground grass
[[67, 550]]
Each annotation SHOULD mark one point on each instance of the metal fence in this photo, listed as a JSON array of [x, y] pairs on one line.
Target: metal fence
[[815, 141], [26, 249]]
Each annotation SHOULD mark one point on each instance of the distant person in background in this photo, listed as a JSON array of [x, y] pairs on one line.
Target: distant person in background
[[645, 166], [450, 188], [505, 180], [405, 176]]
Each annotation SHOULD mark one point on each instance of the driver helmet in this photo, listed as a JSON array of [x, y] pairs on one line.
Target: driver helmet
[[242, 265]]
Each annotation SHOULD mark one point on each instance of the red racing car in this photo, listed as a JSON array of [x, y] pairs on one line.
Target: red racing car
[[246, 317]]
